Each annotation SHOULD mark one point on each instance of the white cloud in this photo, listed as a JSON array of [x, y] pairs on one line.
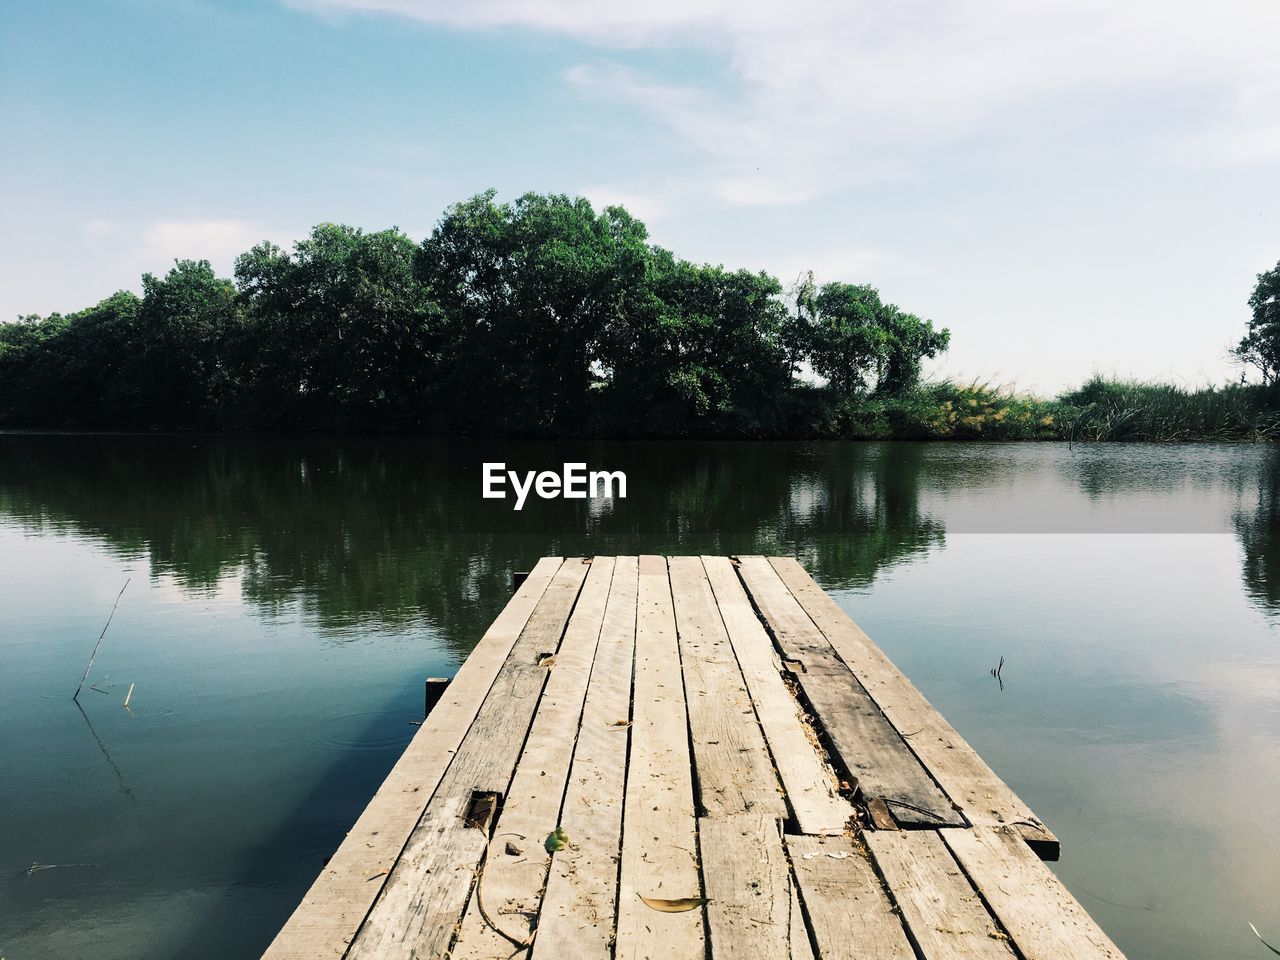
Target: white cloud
[[848, 264], [98, 228], [218, 241], [648, 206], [1249, 130], [609, 23], [833, 94]]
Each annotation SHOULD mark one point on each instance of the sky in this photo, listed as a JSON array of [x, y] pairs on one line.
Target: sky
[[1071, 186]]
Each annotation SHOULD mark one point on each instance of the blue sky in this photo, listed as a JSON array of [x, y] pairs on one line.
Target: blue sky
[[1068, 186]]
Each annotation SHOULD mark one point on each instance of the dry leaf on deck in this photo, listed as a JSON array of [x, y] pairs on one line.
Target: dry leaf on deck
[[673, 906]]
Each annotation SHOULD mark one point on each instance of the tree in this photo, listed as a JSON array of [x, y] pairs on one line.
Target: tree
[[1260, 346], [542, 316], [176, 373], [68, 370], [846, 340], [910, 341], [343, 332], [528, 290], [856, 341]]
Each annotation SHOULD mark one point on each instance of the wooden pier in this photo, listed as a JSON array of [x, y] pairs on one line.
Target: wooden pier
[[736, 771]]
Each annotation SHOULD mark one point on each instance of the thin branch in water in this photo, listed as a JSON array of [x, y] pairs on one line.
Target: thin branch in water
[[124, 787], [1264, 943], [97, 646], [37, 867], [128, 696]]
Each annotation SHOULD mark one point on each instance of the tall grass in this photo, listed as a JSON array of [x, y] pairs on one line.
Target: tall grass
[[1101, 409], [947, 410], [1106, 409]]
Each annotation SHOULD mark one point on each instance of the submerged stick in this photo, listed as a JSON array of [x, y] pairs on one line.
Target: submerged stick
[[37, 867], [1264, 943], [128, 696], [124, 787], [97, 646]]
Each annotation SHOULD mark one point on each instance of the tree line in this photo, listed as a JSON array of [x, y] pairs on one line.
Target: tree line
[[539, 317]]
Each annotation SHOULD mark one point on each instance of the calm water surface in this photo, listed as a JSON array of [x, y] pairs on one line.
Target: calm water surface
[[289, 595]]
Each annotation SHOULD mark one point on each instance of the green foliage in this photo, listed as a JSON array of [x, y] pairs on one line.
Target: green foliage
[[340, 333], [529, 292], [942, 410], [69, 369], [853, 339], [1107, 409], [1260, 347], [537, 317], [545, 317], [176, 373]]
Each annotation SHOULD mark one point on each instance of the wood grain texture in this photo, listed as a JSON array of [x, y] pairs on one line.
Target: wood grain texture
[[578, 911], [748, 886], [848, 912], [943, 913], [801, 948], [968, 780], [872, 750], [515, 865], [654, 710], [807, 778], [659, 844], [422, 900], [325, 922], [1044, 920], [733, 772]]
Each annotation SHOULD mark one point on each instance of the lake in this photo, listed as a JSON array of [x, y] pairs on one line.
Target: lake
[[287, 596]]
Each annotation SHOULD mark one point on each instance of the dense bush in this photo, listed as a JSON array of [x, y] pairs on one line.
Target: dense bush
[[1105, 409], [539, 317], [544, 317]]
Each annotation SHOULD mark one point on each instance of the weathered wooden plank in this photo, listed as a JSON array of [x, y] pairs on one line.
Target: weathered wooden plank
[[326, 920], [944, 915], [809, 781], [871, 749], [848, 911], [968, 780], [577, 918], [801, 948], [1044, 920], [515, 866], [659, 843], [748, 887], [422, 901], [733, 772]]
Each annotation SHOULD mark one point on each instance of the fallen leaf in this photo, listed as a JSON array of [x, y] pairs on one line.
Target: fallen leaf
[[682, 905], [557, 839]]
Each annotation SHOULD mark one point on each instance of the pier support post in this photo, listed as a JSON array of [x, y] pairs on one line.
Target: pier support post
[[435, 690]]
